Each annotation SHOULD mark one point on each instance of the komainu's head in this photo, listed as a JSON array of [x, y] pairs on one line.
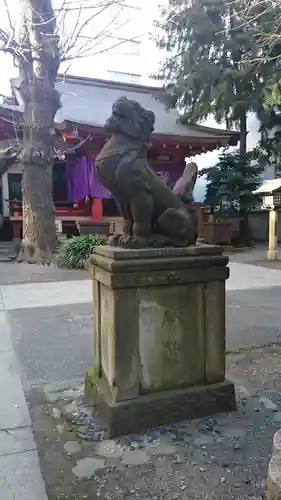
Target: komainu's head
[[131, 119]]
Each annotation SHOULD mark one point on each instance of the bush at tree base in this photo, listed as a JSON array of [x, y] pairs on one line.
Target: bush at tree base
[[75, 252]]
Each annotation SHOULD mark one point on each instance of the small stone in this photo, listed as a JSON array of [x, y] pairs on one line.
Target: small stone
[[222, 420], [86, 467], [268, 404], [60, 429], [84, 437], [203, 440], [236, 447], [159, 449], [242, 391], [124, 441], [70, 408], [56, 413], [134, 445], [72, 447], [109, 449], [277, 417], [234, 432], [135, 458], [73, 393], [52, 397]]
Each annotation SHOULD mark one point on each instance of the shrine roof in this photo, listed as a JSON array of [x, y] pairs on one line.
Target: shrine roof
[[268, 186], [88, 102]]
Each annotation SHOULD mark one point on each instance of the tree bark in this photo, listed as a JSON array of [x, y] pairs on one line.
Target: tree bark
[[39, 68], [245, 237], [39, 235], [243, 134]]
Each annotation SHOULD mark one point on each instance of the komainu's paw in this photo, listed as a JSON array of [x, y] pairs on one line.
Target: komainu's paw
[[113, 239], [128, 241]]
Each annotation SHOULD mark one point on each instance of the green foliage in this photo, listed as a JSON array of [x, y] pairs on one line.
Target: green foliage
[[268, 150], [217, 63], [75, 252], [273, 92], [207, 70], [230, 184]]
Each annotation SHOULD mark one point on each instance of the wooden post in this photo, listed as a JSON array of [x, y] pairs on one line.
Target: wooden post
[[97, 210], [272, 237]]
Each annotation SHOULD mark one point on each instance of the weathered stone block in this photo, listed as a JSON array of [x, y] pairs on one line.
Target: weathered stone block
[[161, 408], [215, 331], [159, 330], [171, 337]]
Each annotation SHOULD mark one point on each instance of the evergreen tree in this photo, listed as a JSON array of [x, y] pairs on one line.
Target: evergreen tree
[[264, 19], [268, 150], [209, 67], [230, 186]]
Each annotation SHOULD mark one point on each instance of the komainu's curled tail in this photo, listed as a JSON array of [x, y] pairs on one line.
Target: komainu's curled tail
[[185, 184]]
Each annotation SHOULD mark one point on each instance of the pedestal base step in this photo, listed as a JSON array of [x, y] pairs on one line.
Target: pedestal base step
[[162, 408]]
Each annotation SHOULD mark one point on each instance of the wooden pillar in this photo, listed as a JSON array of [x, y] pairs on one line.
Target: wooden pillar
[[97, 214], [17, 230], [272, 236]]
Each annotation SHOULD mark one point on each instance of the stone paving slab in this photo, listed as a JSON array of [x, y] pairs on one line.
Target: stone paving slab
[[53, 344], [16, 441], [6, 343], [14, 412], [20, 477], [32, 295]]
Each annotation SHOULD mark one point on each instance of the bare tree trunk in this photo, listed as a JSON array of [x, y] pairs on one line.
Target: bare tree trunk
[[245, 237], [41, 102], [243, 134], [39, 236]]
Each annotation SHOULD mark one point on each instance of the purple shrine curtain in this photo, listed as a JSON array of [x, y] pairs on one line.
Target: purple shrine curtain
[[83, 179]]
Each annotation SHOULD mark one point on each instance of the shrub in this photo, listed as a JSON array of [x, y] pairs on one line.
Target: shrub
[[75, 252]]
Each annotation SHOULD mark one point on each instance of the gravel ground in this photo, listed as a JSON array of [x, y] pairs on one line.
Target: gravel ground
[[223, 457]]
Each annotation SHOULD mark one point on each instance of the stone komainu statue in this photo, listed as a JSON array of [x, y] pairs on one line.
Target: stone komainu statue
[[153, 214]]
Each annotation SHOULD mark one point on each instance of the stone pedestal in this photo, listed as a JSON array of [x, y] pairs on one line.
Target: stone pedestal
[[159, 336]]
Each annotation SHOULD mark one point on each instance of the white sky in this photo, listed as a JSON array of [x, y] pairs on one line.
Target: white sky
[[131, 22]]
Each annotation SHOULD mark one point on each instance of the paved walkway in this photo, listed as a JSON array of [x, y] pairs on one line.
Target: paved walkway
[[30, 295], [49, 324], [20, 475]]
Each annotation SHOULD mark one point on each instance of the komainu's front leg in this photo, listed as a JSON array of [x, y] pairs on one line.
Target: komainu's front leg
[[127, 218], [142, 209]]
